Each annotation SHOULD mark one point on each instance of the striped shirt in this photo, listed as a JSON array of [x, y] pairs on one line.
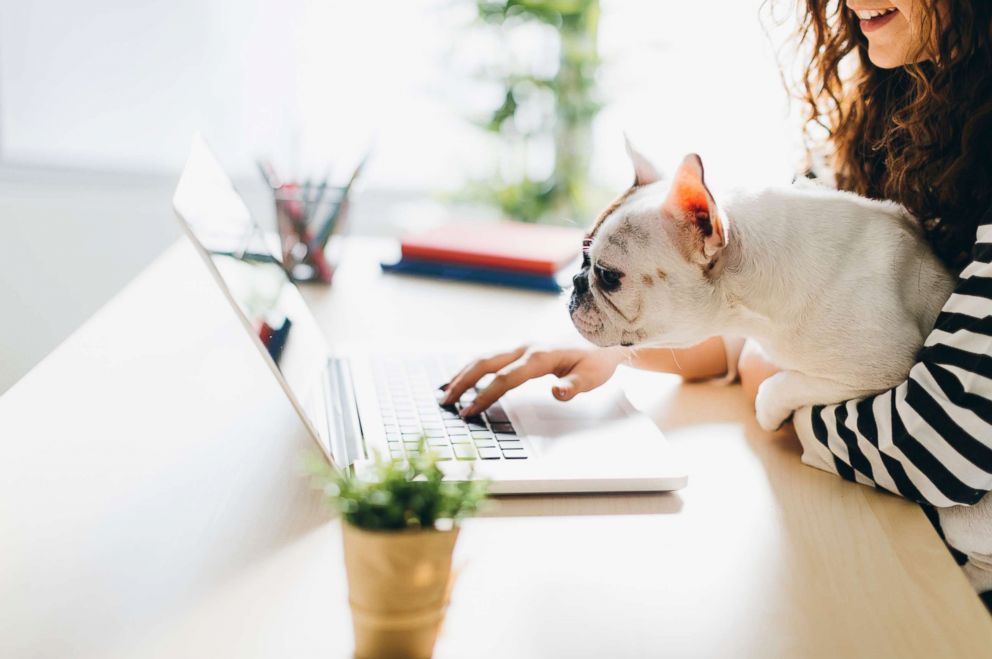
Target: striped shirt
[[930, 438]]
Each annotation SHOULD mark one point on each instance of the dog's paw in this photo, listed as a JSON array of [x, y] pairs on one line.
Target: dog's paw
[[769, 408]]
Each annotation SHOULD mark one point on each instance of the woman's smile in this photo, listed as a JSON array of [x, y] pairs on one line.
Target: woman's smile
[[874, 19]]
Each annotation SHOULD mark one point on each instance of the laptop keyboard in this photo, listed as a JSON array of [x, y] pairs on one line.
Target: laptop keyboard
[[407, 389]]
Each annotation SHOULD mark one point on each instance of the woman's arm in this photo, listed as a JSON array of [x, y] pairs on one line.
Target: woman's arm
[[705, 360], [584, 369], [754, 368], [930, 438]]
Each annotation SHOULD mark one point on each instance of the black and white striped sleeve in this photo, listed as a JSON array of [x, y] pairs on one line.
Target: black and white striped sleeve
[[930, 438]]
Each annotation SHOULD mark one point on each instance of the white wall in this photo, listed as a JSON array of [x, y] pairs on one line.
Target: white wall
[[123, 84], [118, 84]]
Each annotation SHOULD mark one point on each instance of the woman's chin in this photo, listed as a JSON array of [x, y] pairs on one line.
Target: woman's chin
[[891, 55], [884, 58]]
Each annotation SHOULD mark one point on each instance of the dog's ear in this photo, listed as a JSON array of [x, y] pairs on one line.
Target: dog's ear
[[689, 200], [644, 171]]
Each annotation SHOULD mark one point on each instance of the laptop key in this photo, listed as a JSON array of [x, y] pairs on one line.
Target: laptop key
[[497, 414], [503, 426], [465, 452], [431, 432], [485, 443], [443, 453], [514, 454], [489, 453], [459, 439], [503, 437]]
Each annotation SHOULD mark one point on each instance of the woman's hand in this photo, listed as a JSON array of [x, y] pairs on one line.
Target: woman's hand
[[578, 370], [754, 368]]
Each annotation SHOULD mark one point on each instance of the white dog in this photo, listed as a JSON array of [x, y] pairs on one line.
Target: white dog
[[840, 291]]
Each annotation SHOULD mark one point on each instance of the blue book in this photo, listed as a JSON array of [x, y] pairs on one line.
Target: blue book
[[475, 273]]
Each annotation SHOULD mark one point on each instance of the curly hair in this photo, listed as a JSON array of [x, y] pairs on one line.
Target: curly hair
[[920, 134]]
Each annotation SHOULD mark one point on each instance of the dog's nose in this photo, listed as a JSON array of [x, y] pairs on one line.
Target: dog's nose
[[581, 283]]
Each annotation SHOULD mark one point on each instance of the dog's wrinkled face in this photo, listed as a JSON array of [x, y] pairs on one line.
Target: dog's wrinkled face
[[647, 271]]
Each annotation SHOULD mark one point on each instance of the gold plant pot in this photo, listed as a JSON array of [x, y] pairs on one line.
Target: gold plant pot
[[398, 586]]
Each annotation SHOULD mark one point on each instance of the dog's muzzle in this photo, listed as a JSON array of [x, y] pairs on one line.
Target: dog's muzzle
[[580, 288], [580, 282]]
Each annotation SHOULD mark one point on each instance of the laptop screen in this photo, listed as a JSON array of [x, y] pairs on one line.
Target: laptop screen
[[245, 262]]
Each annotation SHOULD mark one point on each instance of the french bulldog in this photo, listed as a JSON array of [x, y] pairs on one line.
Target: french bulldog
[[840, 291]]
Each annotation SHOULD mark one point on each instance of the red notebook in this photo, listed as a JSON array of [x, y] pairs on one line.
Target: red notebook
[[532, 248]]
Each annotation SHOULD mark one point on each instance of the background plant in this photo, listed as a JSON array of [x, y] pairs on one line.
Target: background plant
[[396, 495], [564, 194]]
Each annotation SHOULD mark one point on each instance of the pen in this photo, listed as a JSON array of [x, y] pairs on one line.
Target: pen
[[327, 228], [268, 173]]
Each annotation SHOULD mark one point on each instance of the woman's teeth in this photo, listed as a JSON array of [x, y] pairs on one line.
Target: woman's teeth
[[868, 14]]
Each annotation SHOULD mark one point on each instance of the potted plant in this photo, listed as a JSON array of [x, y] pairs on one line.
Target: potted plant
[[400, 524]]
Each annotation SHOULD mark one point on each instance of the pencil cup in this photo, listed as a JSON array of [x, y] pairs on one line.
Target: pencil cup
[[308, 218], [398, 586]]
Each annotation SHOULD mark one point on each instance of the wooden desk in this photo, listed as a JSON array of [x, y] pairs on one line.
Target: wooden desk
[[151, 505]]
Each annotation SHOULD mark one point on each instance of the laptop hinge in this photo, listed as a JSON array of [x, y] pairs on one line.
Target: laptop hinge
[[344, 426]]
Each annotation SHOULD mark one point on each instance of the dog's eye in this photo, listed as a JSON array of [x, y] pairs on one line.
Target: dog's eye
[[609, 280]]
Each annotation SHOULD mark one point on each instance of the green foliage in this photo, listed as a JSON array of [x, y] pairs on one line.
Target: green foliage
[[397, 495], [526, 199], [553, 12], [573, 88]]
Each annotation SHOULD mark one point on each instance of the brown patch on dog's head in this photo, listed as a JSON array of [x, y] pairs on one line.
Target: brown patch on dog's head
[[625, 233], [609, 209], [648, 280]]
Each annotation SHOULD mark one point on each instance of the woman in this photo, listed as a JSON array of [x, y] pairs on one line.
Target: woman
[[912, 122]]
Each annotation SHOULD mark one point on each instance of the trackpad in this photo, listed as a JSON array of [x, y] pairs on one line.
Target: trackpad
[[595, 434], [536, 412]]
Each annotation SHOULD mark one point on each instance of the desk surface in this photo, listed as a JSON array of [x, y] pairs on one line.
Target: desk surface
[[152, 505]]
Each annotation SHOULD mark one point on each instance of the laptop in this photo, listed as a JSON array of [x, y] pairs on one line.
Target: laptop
[[360, 403]]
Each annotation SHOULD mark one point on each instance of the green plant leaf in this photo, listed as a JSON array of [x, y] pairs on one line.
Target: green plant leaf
[[398, 494]]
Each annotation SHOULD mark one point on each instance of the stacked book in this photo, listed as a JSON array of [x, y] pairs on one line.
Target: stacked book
[[533, 256]]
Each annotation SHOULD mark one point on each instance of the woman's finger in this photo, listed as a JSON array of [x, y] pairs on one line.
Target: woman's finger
[[591, 371], [469, 375], [567, 387], [534, 366]]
